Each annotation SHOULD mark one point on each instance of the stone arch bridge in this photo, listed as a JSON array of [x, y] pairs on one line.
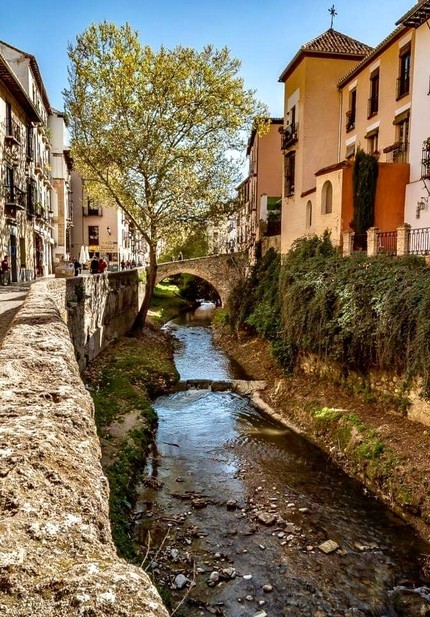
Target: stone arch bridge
[[221, 271]]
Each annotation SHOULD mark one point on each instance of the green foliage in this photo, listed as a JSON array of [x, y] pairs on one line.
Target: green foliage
[[192, 288], [360, 313], [194, 244], [166, 302], [364, 179]]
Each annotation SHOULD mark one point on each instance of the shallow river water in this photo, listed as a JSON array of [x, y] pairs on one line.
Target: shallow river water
[[237, 507]]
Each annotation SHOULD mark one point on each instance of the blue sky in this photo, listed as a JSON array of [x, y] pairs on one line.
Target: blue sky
[[263, 34]]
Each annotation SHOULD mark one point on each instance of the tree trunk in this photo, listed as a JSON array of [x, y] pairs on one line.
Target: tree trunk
[[151, 275]]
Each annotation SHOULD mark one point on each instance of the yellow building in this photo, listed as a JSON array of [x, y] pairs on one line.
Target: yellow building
[[311, 132], [375, 107]]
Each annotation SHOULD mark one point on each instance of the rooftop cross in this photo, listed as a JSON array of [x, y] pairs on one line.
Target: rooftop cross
[[333, 14]]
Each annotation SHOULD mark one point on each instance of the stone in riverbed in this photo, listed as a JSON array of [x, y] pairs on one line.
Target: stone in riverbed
[[266, 519], [329, 546], [181, 581]]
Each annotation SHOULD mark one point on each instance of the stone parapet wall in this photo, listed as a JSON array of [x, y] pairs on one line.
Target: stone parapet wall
[[57, 557], [97, 309]]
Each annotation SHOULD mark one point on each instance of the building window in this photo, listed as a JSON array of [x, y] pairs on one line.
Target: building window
[[350, 114], [372, 143], [374, 94], [400, 154], [94, 208], [327, 198], [309, 214], [93, 235], [289, 171], [403, 80]]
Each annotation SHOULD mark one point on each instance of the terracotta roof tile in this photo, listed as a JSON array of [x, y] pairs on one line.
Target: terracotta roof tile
[[331, 43], [336, 43]]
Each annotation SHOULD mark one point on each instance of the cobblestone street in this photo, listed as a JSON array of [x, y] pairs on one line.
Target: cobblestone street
[[11, 298]]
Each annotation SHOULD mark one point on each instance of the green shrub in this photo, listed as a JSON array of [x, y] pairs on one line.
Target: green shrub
[[361, 313]]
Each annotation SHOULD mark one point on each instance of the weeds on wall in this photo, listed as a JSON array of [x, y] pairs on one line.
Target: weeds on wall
[[362, 313]]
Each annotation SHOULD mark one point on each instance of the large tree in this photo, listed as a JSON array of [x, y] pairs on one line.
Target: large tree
[[155, 132]]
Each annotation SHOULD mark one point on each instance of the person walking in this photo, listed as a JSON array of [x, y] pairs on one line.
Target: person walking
[[5, 279], [102, 265], [77, 267], [94, 265]]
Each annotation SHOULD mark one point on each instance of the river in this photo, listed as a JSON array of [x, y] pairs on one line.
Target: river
[[237, 508]]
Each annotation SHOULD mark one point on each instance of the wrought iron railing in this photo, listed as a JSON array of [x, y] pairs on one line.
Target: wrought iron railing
[[350, 120], [13, 130], [290, 135], [425, 162], [387, 242], [419, 241], [14, 196]]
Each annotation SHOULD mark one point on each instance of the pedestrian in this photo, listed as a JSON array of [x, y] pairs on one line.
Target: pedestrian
[[133, 264], [5, 271], [127, 264], [122, 265], [181, 256], [102, 265], [94, 266], [77, 267]]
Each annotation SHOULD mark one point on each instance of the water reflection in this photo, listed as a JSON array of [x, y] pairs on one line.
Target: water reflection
[[218, 446]]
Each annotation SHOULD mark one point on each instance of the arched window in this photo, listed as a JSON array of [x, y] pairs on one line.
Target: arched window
[[327, 197], [309, 214]]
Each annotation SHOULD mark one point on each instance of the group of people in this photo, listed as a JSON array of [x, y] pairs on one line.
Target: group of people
[[127, 265], [97, 266]]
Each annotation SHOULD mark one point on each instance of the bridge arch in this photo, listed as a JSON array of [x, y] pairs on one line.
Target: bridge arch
[[220, 271]]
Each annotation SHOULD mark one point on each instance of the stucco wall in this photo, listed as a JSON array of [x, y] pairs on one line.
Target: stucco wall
[[57, 557]]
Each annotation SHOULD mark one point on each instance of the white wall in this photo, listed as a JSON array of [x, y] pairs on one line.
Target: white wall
[[419, 129]]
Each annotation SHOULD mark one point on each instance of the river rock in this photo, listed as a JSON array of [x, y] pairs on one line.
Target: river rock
[[261, 614], [231, 504], [174, 554], [247, 577], [198, 503], [228, 573], [266, 519], [267, 588], [411, 602], [328, 547], [181, 581], [213, 578]]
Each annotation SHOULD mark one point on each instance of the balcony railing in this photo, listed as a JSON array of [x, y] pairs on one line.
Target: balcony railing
[[425, 162], [13, 131], [350, 120], [15, 197], [290, 135], [372, 106], [387, 243], [419, 241], [403, 85], [397, 153]]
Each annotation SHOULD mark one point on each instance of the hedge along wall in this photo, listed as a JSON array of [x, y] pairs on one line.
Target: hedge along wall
[[56, 556], [369, 317]]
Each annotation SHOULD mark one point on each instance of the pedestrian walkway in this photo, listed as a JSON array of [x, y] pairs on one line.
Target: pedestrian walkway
[[11, 298]]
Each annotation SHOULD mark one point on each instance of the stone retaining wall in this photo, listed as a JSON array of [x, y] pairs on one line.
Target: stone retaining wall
[[57, 557], [97, 309]]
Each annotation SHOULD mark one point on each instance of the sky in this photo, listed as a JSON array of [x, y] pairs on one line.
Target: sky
[[263, 34]]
